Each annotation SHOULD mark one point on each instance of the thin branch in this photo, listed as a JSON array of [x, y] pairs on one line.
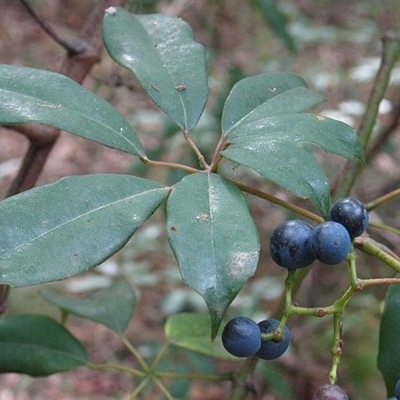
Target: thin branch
[[390, 54], [382, 199], [277, 201], [71, 49], [31, 168], [384, 134]]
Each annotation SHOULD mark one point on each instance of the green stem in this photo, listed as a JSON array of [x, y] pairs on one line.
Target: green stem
[[337, 346], [134, 352], [352, 258], [162, 388], [373, 248], [385, 227], [118, 367], [139, 388], [159, 357], [382, 199], [195, 376], [390, 54]]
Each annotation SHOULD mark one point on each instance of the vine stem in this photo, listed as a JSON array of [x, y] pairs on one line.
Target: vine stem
[[276, 200], [167, 164], [118, 367], [373, 248], [197, 151], [337, 346], [134, 352], [72, 49], [383, 199], [384, 227], [390, 54]]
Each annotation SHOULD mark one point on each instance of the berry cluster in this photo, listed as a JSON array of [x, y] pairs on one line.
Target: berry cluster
[[296, 244], [242, 337]]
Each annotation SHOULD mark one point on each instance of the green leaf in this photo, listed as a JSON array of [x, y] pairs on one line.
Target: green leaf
[[161, 52], [192, 331], [267, 95], [64, 228], [112, 306], [32, 95], [38, 346], [274, 146], [214, 239], [389, 343]]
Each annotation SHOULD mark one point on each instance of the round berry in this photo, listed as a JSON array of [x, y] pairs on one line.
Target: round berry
[[330, 392], [271, 349], [241, 337], [331, 242], [351, 213], [397, 390], [290, 244]]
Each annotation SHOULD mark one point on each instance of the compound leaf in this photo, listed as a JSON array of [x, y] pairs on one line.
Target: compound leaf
[[160, 50], [214, 239], [192, 331], [64, 228], [32, 95], [38, 346], [112, 306], [389, 345]]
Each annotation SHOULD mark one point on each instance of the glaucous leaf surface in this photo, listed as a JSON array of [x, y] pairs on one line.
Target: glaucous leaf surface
[[64, 228], [33, 95], [112, 306], [214, 239], [38, 346], [389, 344], [161, 51], [192, 331]]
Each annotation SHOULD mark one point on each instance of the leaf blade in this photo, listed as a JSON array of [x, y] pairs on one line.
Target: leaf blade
[[192, 331], [214, 239], [112, 306], [100, 214], [389, 346], [269, 94], [169, 64], [64, 104], [38, 346]]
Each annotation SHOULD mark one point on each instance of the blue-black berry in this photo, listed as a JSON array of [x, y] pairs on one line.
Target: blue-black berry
[[241, 337], [272, 349], [351, 213], [330, 392], [331, 242], [290, 244]]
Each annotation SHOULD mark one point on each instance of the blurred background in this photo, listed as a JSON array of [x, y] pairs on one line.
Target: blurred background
[[336, 47]]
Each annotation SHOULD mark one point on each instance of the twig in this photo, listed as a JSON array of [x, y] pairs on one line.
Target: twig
[[390, 54], [71, 49], [384, 134]]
